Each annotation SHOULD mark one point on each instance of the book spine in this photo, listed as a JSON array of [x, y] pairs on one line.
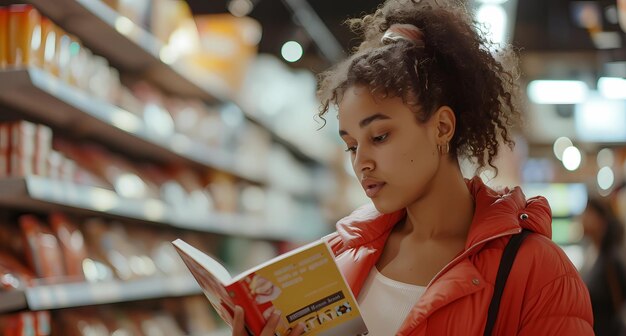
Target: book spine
[[242, 297]]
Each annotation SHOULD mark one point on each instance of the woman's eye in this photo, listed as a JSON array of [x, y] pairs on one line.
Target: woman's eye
[[351, 149], [380, 138]]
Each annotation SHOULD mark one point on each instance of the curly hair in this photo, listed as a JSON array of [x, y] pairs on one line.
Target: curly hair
[[454, 67]]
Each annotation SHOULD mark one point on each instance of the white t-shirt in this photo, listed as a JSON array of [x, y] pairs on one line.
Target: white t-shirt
[[385, 303]]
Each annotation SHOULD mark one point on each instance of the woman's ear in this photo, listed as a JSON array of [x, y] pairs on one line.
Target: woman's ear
[[445, 121]]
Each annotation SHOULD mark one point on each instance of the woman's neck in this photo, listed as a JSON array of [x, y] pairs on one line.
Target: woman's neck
[[446, 210]]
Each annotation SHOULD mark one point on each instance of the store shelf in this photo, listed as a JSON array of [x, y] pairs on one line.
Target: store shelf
[[41, 194], [12, 301], [45, 97], [137, 51], [57, 296], [125, 44]]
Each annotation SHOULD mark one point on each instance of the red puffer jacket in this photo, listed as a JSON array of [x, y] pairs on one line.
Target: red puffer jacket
[[544, 294]]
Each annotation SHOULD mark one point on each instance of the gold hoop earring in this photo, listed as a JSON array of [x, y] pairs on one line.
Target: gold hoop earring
[[443, 150]]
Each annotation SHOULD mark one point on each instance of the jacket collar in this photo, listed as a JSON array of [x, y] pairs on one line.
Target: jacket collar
[[496, 213]]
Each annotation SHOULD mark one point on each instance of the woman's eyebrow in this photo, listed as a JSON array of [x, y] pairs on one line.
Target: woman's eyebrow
[[367, 121]]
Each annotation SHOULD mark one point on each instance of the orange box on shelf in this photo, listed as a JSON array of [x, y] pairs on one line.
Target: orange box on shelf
[[24, 35], [227, 45], [4, 35], [22, 148], [48, 50]]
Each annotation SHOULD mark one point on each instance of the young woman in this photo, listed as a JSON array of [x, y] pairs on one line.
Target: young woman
[[606, 276], [420, 92]]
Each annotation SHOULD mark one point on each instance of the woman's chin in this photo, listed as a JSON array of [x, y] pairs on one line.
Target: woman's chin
[[386, 207]]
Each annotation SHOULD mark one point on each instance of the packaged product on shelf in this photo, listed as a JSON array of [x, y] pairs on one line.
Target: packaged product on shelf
[[43, 146], [111, 243], [199, 319], [198, 201], [157, 118], [224, 190], [104, 81], [281, 210], [252, 200], [212, 130], [75, 163], [49, 51], [73, 323], [165, 257], [43, 252], [252, 150], [285, 172], [186, 115], [225, 66], [72, 244], [4, 36], [80, 57], [141, 261], [170, 191], [24, 36], [9, 229], [43, 323], [13, 274], [26, 323], [116, 171], [63, 51], [167, 17], [115, 321], [127, 101], [22, 148], [152, 324]]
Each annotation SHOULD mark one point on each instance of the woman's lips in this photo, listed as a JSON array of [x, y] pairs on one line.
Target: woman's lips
[[371, 190]]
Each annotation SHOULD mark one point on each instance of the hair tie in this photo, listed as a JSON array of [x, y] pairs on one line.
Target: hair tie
[[403, 31]]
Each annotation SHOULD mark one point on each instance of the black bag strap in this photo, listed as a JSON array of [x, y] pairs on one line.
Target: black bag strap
[[506, 262]]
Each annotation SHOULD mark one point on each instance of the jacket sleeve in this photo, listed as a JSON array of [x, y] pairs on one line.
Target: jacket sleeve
[[558, 302], [562, 307]]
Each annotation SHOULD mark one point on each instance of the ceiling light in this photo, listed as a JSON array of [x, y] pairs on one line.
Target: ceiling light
[[559, 146], [494, 18], [291, 51], [240, 8], [612, 87], [605, 158], [600, 120], [605, 178], [571, 158], [557, 91]]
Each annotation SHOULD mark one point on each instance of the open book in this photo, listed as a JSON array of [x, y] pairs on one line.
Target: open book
[[305, 285]]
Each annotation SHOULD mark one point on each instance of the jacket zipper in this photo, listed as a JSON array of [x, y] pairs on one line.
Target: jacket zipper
[[455, 260]]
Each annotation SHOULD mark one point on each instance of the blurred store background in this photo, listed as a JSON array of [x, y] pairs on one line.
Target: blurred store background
[[125, 124]]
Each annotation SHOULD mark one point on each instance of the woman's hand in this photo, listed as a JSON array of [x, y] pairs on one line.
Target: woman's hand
[[268, 330]]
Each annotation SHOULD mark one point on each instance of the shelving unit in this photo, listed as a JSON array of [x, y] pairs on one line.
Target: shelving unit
[[139, 52], [42, 194], [43, 98], [57, 296], [36, 92]]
